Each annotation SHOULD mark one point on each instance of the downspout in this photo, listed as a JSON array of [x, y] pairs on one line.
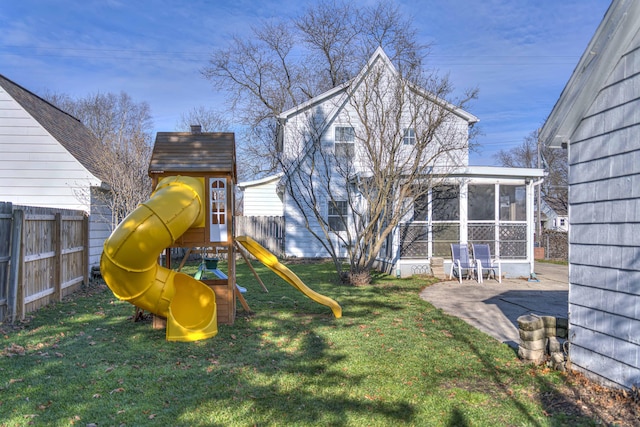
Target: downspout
[[532, 274]]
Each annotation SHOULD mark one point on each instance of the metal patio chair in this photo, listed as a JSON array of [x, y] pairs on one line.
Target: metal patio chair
[[460, 261], [484, 262]]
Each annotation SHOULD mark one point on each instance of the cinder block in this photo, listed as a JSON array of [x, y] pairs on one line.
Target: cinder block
[[530, 355], [554, 345], [538, 334], [534, 345], [530, 322]]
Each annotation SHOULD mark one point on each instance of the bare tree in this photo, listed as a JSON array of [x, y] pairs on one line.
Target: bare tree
[[209, 119], [532, 154], [123, 127], [281, 64], [403, 140]]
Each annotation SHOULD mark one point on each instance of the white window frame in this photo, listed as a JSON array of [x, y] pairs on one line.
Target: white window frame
[[409, 136], [342, 216], [344, 140]]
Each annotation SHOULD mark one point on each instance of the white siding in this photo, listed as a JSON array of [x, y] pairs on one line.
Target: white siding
[[312, 125], [34, 168], [100, 227], [261, 198], [299, 241], [604, 294]]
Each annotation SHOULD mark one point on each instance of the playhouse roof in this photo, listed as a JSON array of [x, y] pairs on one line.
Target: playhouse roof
[[194, 152]]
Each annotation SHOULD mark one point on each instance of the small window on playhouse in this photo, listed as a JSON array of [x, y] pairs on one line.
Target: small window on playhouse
[[218, 212]]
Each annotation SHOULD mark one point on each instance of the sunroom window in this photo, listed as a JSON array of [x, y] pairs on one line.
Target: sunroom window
[[513, 205], [482, 202]]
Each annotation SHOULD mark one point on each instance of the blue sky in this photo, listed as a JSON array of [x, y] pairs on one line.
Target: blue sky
[[518, 53]]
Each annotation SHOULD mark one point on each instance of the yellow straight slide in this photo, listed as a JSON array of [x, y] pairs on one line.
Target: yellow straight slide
[[129, 261], [270, 261]]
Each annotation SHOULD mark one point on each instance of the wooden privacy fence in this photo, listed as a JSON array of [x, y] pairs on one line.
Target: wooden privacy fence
[[43, 257], [266, 230]]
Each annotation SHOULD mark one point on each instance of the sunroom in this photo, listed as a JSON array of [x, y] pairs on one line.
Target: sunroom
[[476, 204]]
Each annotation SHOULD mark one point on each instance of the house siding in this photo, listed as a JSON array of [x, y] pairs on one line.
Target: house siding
[[335, 111], [604, 199], [100, 226], [262, 199], [299, 241], [34, 168]]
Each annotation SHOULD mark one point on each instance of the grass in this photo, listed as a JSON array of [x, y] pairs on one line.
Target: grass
[[392, 359], [553, 261]]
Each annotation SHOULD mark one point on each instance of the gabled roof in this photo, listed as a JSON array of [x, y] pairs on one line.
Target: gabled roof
[[256, 182], [555, 205], [194, 152], [611, 40], [346, 88], [66, 129]]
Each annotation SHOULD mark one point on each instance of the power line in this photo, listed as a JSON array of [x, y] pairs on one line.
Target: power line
[[476, 60]]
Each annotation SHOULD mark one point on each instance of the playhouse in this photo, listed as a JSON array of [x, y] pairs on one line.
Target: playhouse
[[211, 158], [192, 206]]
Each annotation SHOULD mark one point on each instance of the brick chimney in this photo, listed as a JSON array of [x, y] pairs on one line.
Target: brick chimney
[[196, 129]]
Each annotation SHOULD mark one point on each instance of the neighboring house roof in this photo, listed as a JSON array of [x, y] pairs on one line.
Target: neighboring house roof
[[267, 179], [194, 152], [344, 90], [617, 29], [76, 138], [555, 206]]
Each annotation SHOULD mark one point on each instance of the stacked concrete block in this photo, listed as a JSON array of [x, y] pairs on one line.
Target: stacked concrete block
[[555, 326], [540, 339], [532, 338], [437, 268]]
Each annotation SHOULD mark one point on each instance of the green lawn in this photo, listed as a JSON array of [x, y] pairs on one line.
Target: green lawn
[[392, 359]]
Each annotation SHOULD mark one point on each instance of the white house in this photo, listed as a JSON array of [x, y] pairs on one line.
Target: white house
[[598, 118], [48, 160], [467, 205], [556, 216], [262, 197]]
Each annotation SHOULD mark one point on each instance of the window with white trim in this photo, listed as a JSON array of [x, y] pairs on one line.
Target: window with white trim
[[409, 137], [344, 141], [337, 215]]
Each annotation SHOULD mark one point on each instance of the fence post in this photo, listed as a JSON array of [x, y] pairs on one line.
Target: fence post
[[57, 258], [16, 262], [87, 250]]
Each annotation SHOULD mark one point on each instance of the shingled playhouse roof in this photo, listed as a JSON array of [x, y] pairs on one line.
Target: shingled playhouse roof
[[194, 152]]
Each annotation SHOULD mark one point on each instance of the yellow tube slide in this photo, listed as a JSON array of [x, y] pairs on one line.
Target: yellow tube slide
[[270, 261], [129, 261]]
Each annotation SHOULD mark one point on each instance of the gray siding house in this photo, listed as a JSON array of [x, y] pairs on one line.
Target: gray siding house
[[598, 118], [48, 158]]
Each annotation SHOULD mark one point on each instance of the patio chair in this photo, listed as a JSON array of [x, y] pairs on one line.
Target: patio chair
[[460, 261], [484, 262]]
